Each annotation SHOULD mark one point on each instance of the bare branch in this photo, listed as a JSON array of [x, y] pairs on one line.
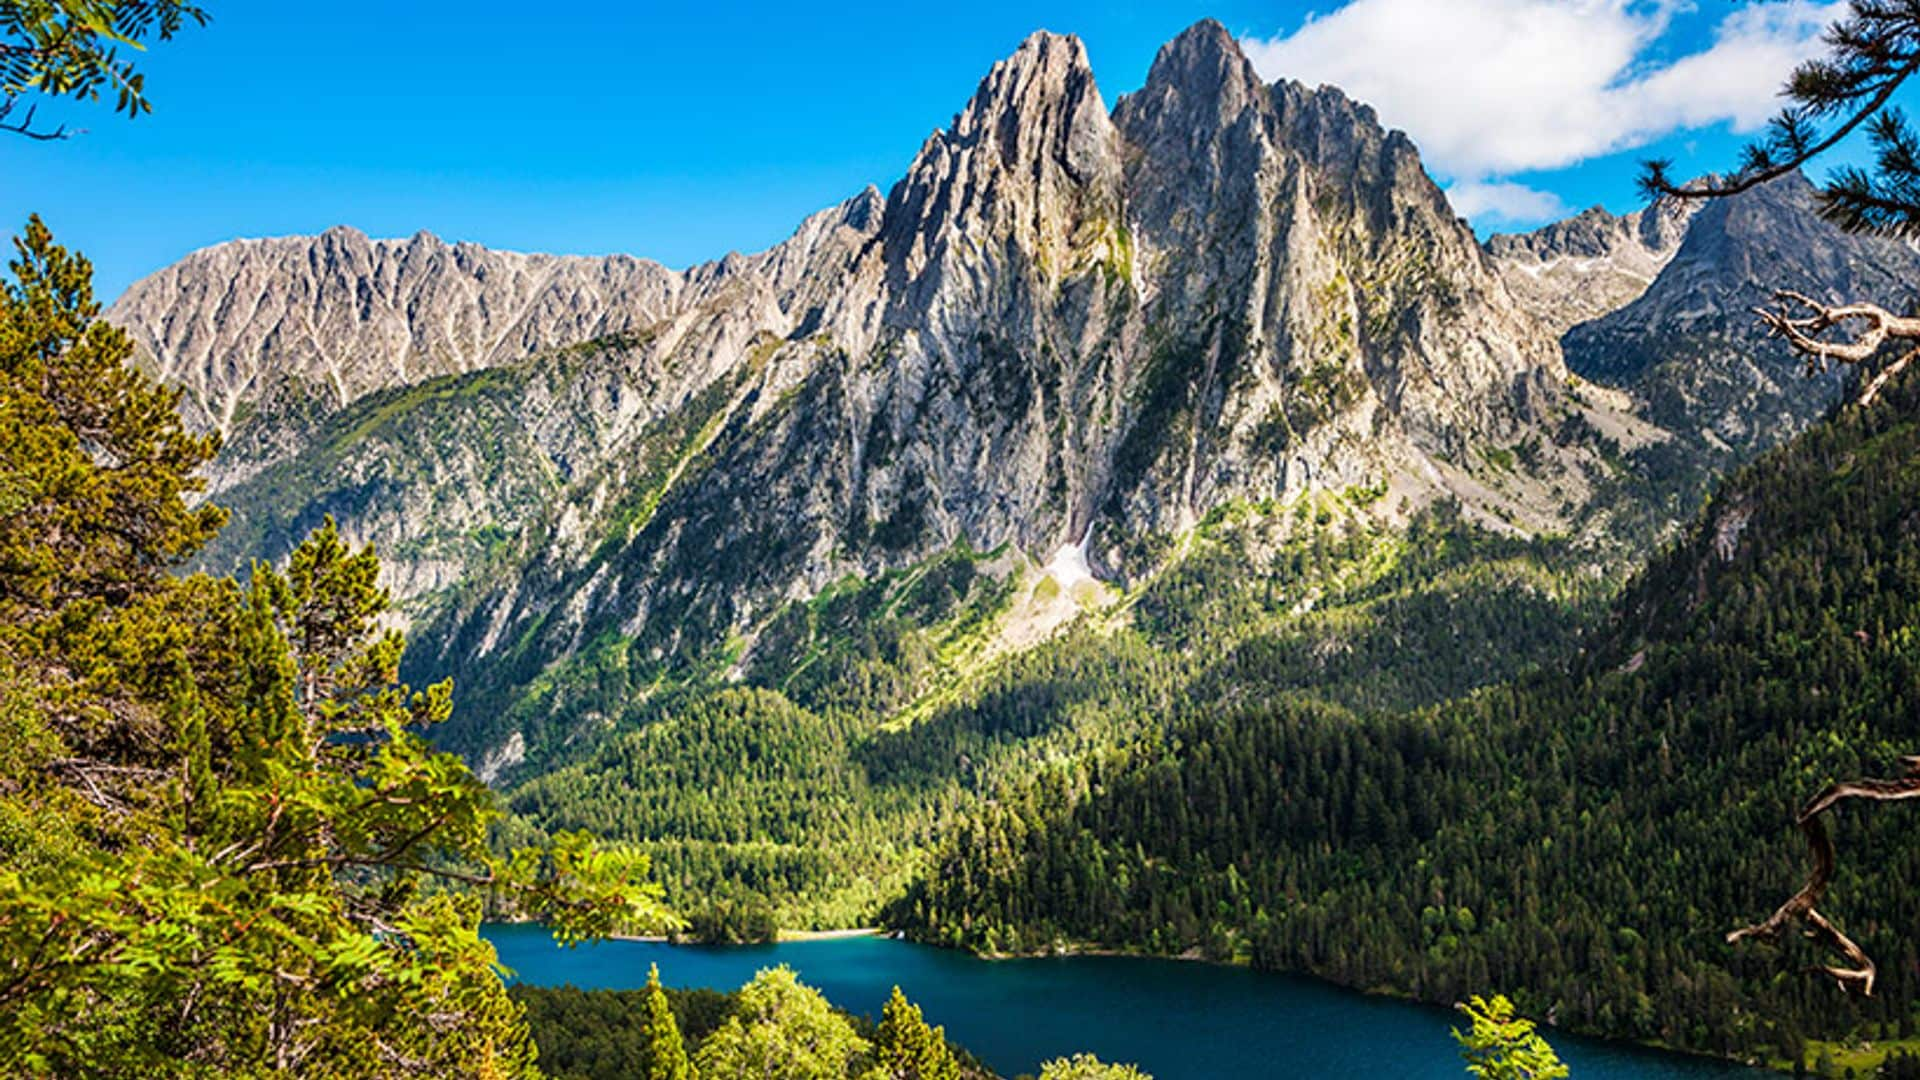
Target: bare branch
[[1801, 320], [1859, 976], [24, 126], [1886, 374]]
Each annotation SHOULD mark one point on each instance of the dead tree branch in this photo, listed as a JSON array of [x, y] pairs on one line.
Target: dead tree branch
[[1802, 321], [1859, 975]]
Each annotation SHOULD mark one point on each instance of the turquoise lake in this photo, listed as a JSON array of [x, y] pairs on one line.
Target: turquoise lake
[[1178, 1021]]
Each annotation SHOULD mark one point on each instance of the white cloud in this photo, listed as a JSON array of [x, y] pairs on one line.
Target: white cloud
[[1503, 202], [1489, 88]]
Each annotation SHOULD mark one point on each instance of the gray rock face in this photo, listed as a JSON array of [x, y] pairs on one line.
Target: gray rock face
[[1689, 347], [268, 337], [1063, 325], [1591, 264], [302, 324], [1335, 324], [450, 474]]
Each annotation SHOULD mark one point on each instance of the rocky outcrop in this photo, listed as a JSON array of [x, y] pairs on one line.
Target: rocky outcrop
[[1334, 323], [449, 474], [268, 338], [297, 327]]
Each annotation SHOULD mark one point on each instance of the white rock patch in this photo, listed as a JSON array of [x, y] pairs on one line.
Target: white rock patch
[[1069, 565]]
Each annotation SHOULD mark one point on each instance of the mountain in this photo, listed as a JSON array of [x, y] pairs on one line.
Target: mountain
[[1065, 330], [446, 472], [1592, 264], [1584, 836], [1171, 505], [1687, 347], [267, 338], [782, 564]]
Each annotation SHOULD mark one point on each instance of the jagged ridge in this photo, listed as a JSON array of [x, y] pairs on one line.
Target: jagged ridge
[[1063, 326]]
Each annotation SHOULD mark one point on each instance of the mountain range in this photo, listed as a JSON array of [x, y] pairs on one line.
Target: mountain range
[[1066, 338]]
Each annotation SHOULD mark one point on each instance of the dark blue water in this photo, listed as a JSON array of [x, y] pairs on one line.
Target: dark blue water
[[1178, 1021]]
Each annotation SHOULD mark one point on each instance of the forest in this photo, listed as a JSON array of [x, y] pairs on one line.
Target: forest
[[1587, 834], [227, 845], [773, 1019], [871, 717]]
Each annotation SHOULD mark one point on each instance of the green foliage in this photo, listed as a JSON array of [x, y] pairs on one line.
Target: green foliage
[[1584, 835], [811, 794], [1088, 1067], [666, 1053], [905, 1048], [1501, 1046], [783, 1028], [1868, 58], [730, 920], [873, 647], [604, 1034], [226, 845], [744, 798], [71, 48], [394, 445], [95, 469]]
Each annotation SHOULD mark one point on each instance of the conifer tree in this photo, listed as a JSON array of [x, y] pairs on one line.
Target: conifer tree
[[1089, 1067], [666, 1053], [905, 1048], [1871, 53]]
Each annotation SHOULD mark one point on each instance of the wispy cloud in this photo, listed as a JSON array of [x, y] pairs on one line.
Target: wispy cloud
[[1503, 202], [1490, 88]]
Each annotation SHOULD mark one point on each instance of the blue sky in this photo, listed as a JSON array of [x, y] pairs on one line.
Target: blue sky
[[680, 132]]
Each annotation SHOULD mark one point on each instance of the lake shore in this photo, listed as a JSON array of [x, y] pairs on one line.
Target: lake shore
[[1064, 950], [1868, 1055], [782, 936], [1178, 1020], [829, 935]]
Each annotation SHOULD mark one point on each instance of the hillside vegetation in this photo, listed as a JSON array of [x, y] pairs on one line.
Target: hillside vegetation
[[1586, 836]]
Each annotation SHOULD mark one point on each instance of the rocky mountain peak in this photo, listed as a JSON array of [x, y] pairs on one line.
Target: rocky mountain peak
[[1029, 163], [1687, 345], [1664, 224], [1200, 83], [1770, 224], [1040, 103], [342, 314], [1063, 328]]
